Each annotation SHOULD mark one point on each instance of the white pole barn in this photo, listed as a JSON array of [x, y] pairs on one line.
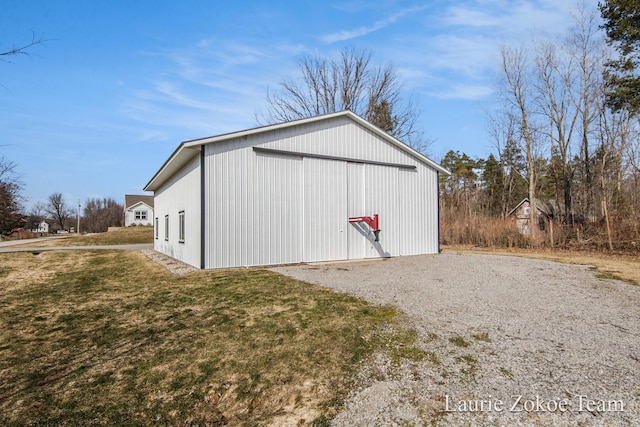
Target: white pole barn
[[331, 187]]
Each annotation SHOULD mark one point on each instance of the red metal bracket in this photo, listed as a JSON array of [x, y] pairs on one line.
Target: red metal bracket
[[370, 221]]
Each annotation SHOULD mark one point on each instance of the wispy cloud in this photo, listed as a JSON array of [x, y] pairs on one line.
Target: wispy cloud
[[208, 87], [364, 30], [461, 53], [464, 92]]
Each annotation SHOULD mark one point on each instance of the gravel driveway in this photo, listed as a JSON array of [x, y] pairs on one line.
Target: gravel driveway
[[512, 341]]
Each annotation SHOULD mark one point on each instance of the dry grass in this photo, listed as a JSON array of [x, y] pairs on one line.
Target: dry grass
[[493, 232], [123, 236], [615, 266], [109, 337]]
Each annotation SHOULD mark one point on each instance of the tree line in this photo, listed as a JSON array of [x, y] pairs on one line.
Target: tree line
[[98, 214], [565, 134]]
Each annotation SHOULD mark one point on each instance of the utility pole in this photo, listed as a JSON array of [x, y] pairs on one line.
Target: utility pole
[[78, 215]]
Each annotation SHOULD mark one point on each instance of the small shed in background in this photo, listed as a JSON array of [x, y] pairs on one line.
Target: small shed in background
[[520, 216]]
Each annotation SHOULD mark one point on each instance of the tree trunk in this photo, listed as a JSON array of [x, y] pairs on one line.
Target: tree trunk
[[605, 211]]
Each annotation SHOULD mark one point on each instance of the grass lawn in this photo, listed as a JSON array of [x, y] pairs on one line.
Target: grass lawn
[[109, 337], [123, 236]]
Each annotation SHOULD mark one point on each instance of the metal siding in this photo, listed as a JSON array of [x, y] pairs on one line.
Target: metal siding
[[279, 213], [357, 240], [429, 192], [254, 208], [268, 209], [325, 210], [180, 193], [413, 224], [419, 214], [340, 137], [381, 188], [225, 209]]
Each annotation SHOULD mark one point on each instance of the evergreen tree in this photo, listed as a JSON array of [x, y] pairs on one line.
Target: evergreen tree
[[622, 25], [493, 177]]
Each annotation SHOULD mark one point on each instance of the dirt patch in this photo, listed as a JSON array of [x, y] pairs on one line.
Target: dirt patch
[[499, 330]]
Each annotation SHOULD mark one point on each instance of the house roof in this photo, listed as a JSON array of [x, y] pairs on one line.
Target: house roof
[[541, 205], [187, 150], [132, 199]]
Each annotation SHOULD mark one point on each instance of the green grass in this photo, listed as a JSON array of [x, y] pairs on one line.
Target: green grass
[[507, 373], [459, 341], [482, 336], [109, 337]]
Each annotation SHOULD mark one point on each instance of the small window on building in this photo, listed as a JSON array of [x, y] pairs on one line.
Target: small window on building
[[157, 232], [140, 215], [166, 227], [181, 226]]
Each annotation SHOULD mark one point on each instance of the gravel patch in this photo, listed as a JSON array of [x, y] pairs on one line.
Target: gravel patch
[[171, 264], [512, 341]]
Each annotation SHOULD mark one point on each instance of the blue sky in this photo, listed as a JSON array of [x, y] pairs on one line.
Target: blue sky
[[97, 109]]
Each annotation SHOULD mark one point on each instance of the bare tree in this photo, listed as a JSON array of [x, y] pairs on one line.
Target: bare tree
[[35, 215], [586, 46], [516, 93], [553, 85], [58, 210], [349, 82], [10, 197], [100, 214]]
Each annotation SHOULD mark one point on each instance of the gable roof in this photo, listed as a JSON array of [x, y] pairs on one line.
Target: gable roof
[[187, 150], [541, 205], [132, 199]]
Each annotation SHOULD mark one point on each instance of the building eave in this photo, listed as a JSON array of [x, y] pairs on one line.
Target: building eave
[[180, 157]]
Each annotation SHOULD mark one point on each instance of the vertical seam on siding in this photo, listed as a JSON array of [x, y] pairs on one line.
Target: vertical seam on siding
[[202, 208], [438, 201]]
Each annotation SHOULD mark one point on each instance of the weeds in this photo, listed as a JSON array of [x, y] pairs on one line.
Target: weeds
[[482, 336], [506, 372], [459, 341]]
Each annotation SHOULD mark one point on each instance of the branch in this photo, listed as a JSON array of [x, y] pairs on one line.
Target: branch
[[22, 50]]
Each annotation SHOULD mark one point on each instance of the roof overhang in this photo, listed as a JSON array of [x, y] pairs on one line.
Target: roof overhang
[[180, 157]]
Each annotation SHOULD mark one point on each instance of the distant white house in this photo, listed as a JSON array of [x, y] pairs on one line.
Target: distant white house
[[43, 227], [138, 210]]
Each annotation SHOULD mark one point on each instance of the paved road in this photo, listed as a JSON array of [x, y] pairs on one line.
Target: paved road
[[7, 243]]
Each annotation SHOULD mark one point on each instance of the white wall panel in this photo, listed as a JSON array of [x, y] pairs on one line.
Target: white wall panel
[[264, 208], [254, 208], [358, 234], [419, 212], [180, 193], [338, 137], [325, 210], [279, 218], [381, 188]]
